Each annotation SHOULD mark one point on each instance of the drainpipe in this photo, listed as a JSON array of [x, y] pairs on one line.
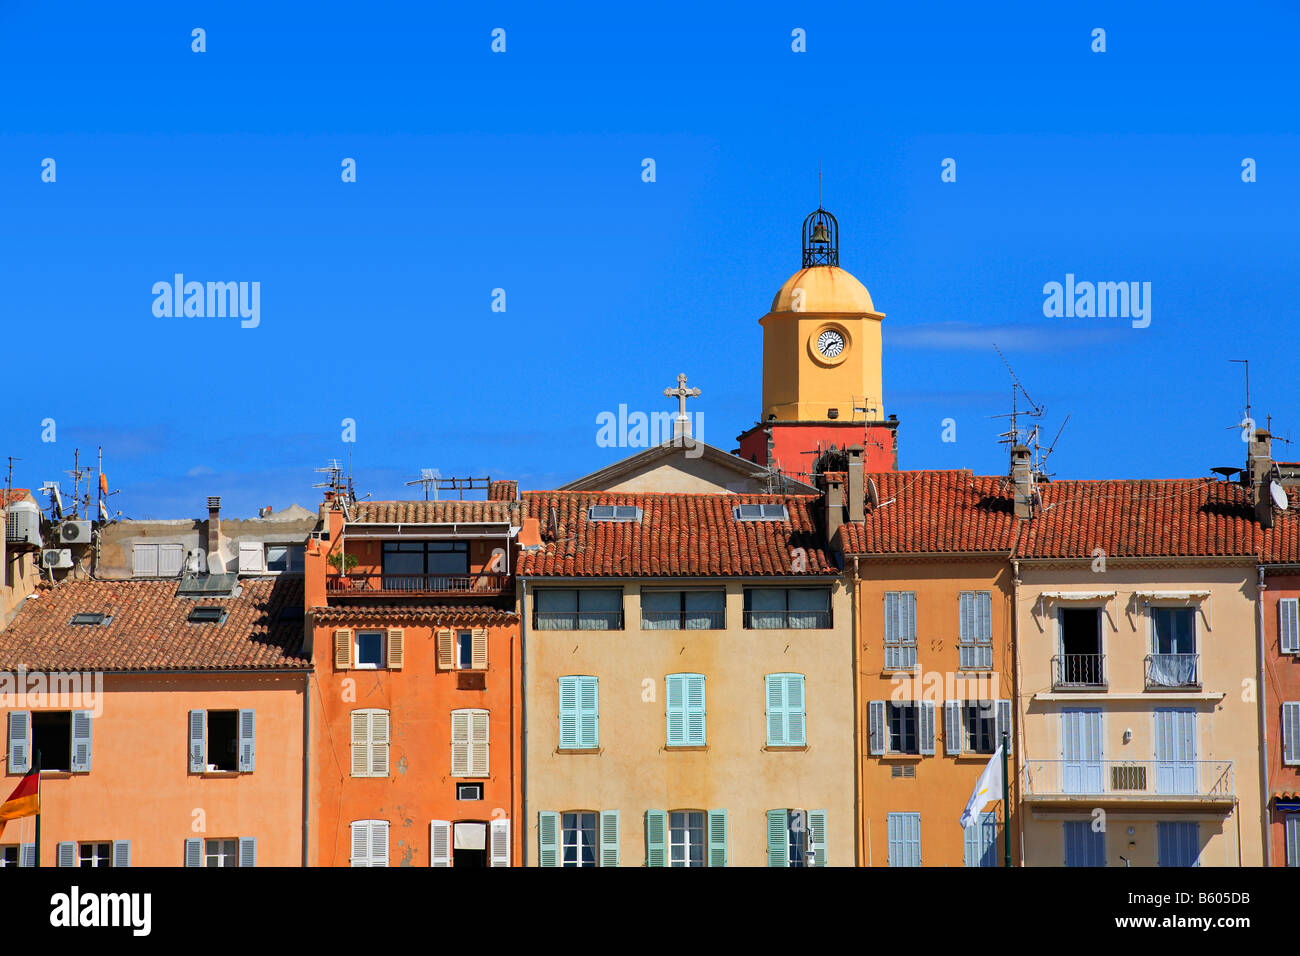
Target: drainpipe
[[306, 763], [523, 714], [1016, 718], [857, 722], [1263, 718]]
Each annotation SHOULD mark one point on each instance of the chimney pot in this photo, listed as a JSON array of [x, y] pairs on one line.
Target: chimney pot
[[215, 564], [857, 487]]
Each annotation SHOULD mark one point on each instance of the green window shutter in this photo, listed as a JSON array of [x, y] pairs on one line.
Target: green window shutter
[[247, 750], [81, 741], [717, 837], [695, 710], [193, 852], [248, 851], [568, 713], [67, 854], [198, 740], [548, 838], [20, 736], [656, 838], [609, 838], [588, 712], [675, 705], [778, 840], [796, 721], [817, 836], [121, 852], [776, 719]]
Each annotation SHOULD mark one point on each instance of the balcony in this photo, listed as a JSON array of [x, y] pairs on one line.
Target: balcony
[[1172, 671], [1079, 672], [975, 657], [577, 620], [1163, 782], [900, 657], [415, 585], [683, 620], [795, 620]]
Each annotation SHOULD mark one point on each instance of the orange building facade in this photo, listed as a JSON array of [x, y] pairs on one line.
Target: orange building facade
[[415, 711]]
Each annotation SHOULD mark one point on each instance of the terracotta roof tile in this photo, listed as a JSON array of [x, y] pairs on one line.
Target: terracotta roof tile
[[452, 614], [679, 535], [433, 512], [149, 629], [933, 512]]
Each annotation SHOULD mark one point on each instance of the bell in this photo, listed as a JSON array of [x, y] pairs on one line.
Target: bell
[[819, 233]]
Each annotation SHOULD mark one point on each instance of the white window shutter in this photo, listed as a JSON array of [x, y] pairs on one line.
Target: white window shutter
[[500, 842], [440, 843], [121, 852], [194, 852], [361, 843], [67, 854], [27, 854], [378, 842], [479, 743], [252, 557], [379, 738], [460, 743], [248, 851], [360, 744], [170, 558], [144, 560]]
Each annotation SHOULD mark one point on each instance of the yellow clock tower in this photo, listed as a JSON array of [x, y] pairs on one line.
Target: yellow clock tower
[[821, 364]]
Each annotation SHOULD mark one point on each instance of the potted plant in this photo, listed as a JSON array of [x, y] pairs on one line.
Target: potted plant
[[343, 565]]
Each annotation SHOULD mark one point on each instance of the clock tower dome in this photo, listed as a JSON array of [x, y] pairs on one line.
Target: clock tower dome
[[822, 390]]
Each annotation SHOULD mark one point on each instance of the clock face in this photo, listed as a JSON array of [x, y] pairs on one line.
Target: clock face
[[830, 343]]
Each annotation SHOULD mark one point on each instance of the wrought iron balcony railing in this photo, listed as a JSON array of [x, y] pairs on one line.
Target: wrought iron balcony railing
[[1078, 671], [683, 620], [578, 620], [795, 620], [1147, 779], [416, 584]]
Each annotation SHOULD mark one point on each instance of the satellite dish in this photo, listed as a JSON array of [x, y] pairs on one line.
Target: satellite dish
[[873, 493], [1279, 495], [1226, 472]]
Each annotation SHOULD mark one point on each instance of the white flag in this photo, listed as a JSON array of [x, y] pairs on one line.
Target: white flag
[[987, 789]]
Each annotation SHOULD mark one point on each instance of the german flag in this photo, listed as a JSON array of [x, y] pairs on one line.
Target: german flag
[[24, 801]]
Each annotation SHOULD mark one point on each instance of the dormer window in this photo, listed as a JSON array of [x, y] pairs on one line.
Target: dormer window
[[613, 513], [88, 618], [761, 513], [207, 615]]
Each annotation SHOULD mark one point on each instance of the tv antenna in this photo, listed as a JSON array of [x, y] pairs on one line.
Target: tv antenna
[[429, 477], [1015, 435]]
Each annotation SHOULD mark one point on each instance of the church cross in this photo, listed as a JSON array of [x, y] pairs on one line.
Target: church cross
[[681, 393]]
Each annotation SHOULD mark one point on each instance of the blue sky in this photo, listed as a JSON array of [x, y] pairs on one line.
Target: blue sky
[[522, 171]]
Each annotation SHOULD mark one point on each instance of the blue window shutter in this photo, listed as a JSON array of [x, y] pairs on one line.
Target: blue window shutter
[[891, 617], [656, 838], [1288, 625], [775, 687], [1291, 733], [27, 854], [121, 852], [817, 835], [675, 702], [588, 712], [904, 839], [248, 851], [198, 740], [796, 720], [984, 615], [193, 852], [878, 730], [66, 854], [1293, 839], [966, 617], [568, 713], [980, 844], [778, 839], [609, 838], [895, 840], [81, 741], [1004, 723], [695, 710], [926, 718], [20, 737], [907, 610], [952, 735], [717, 825], [548, 838], [247, 740]]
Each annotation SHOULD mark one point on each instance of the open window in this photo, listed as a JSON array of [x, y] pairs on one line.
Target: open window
[[1173, 657], [1080, 662], [222, 741]]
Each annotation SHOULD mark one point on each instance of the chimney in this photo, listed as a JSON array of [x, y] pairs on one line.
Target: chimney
[[1259, 473], [1022, 478], [857, 489], [833, 482], [214, 532]]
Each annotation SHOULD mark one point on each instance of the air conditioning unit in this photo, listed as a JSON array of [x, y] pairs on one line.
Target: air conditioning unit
[[23, 526], [74, 532], [61, 558]]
